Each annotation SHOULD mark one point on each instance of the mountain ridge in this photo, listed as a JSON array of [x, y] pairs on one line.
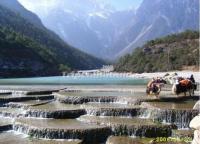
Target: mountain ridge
[[172, 52], [158, 18], [16, 7], [91, 27], [107, 33], [64, 54]]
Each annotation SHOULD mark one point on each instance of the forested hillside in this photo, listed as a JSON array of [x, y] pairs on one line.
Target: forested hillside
[[173, 52], [38, 44], [21, 56]]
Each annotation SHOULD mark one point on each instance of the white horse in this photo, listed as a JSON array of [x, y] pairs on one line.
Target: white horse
[[170, 78]]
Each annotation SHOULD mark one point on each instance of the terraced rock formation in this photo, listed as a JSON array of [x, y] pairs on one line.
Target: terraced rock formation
[[79, 117]]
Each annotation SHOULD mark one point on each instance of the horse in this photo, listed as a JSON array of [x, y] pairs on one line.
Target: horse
[[154, 87], [184, 87], [170, 78]]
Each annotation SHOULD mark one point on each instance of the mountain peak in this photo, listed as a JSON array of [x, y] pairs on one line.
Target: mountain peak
[[36, 51], [15, 6], [97, 28]]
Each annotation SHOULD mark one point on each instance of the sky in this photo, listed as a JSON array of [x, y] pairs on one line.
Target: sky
[[118, 4]]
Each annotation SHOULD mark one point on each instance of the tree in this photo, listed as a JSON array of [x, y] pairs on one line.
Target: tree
[[64, 68]]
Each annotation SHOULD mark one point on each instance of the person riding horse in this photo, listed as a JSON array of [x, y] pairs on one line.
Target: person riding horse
[[154, 86], [184, 85]]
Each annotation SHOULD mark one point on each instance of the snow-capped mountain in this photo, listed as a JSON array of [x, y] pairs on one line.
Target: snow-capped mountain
[[97, 28], [90, 25], [158, 18]]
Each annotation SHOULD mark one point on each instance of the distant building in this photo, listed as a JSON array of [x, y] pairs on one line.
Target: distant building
[[88, 72], [107, 68]]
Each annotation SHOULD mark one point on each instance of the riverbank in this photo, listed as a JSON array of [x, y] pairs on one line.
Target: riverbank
[[161, 74]]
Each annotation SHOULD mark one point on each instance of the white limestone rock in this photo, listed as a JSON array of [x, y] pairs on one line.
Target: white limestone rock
[[197, 105], [196, 139], [195, 123]]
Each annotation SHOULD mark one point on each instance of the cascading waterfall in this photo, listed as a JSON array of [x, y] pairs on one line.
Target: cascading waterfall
[[57, 114], [181, 118], [19, 93], [142, 131], [99, 133], [151, 122], [113, 112], [178, 117], [16, 112], [145, 113], [86, 99]]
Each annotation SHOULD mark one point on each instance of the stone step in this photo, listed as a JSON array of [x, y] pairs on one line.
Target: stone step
[[81, 97], [111, 109], [122, 140], [21, 98], [172, 98], [131, 126], [184, 105], [27, 104], [30, 89], [11, 112], [28, 92], [55, 110], [179, 114], [5, 93], [12, 137], [5, 124], [85, 99], [131, 140], [189, 133], [62, 129]]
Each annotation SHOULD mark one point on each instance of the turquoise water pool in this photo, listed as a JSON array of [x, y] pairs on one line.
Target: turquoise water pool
[[90, 80]]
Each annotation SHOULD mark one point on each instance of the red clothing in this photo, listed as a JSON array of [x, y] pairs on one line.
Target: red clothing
[[184, 82]]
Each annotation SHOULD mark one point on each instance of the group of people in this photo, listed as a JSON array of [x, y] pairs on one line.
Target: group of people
[[154, 86]]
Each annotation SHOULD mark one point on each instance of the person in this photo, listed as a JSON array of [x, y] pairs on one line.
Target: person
[[192, 79], [180, 79], [193, 82], [149, 85]]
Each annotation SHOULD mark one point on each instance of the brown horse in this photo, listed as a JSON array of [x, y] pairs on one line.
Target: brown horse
[[154, 87]]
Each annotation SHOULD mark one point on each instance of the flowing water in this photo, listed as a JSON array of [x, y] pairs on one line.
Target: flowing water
[[12, 137], [90, 111]]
